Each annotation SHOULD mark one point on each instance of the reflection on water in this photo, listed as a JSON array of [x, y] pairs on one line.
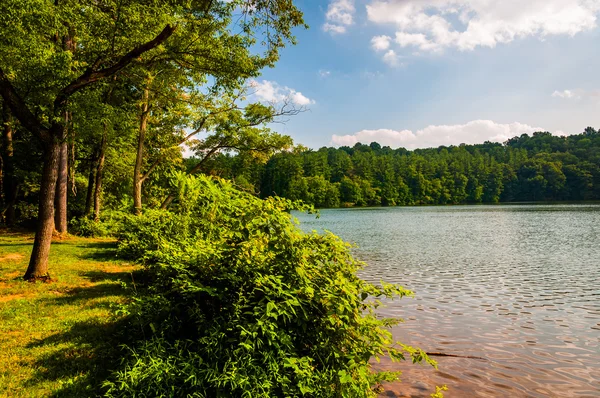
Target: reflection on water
[[518, 285]]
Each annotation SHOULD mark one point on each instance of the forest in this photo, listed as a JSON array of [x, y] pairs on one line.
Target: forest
[[541, 167]]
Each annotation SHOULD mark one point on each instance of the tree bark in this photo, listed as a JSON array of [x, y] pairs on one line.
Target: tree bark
[[99, 172], [60, 197], [137, 172], [38, 263], [90, 188], [9, 181]]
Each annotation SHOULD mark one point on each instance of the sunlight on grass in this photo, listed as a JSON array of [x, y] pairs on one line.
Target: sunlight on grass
[[55, 337]]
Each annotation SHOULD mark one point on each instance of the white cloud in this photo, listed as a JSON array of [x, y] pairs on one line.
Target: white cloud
[[391, 58], [432, 25], [566, 94], [414, 39], [339, 15], [380, 43], [299, 99], [272, 92], [334, 29], [324, 73], [577, 94], [474, 132]]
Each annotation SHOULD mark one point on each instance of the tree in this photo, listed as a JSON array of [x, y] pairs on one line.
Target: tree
[[39, 42], [241, 130]]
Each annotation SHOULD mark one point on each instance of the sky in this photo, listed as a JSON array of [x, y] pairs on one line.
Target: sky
[[425, 73]]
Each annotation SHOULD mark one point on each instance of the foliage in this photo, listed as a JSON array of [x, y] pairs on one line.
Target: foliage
[[166, 63], [197, 79], [108, 226], [243, 303], [541, 167], [439, 392]]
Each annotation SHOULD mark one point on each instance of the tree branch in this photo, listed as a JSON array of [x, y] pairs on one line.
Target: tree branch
[[183, 141], [20, 110], [197, 167], [90, 76]]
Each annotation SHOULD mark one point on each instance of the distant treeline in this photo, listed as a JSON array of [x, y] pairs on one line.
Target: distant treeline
[[541, 167]]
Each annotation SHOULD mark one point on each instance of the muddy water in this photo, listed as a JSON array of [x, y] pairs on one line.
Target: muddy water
[[517, 285]]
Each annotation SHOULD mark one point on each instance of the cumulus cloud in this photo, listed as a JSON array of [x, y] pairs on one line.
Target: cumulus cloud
[[577, 94], [380, 43], [391, 58], [432, 25], [474, 132], [566, 94], [339, 15], [272, 92]]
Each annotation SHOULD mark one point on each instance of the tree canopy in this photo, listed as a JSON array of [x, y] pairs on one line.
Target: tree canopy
[[83, 81], [541, 167]]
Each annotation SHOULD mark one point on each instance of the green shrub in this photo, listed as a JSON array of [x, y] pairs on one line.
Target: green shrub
[[108, 225], [242, 303]]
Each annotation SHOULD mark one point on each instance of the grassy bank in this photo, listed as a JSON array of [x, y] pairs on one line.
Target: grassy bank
[[56, 338]]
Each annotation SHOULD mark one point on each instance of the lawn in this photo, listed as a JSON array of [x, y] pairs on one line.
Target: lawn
[[57, 338]]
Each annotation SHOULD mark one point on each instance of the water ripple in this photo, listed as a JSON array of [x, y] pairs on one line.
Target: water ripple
[[518, 285]]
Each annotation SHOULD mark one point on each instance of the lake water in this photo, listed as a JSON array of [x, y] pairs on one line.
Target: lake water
[[517, 285]]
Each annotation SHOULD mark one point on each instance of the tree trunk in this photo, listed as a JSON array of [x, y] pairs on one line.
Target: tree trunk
[[60, 198], [99, 171], [9, 181], [165, 204], [38, 263], [2, 182], [137, 172], [90, 188]]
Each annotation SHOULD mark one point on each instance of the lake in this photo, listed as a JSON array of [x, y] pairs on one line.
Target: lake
[[517, 285]]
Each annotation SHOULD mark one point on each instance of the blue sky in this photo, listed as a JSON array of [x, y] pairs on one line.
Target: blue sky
[[422, 73]]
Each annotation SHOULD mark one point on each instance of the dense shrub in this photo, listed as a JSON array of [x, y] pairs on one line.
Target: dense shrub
[[108, 225], [242, 303]]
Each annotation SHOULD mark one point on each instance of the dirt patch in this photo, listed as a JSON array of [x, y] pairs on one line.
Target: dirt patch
[[12, 257], [11, 297], [13, 275], [56, 237]]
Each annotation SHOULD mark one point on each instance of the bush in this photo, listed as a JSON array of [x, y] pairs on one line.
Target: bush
[[242, 303], [108, 225]]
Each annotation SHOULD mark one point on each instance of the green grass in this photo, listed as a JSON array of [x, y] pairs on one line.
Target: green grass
[[58, 338]]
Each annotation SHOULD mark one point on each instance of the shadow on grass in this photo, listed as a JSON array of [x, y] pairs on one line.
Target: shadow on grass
[[93, 346], [20, 244], [83, 294], [102, 276], [94, 351], [136, 277], [108, 284], [100, 251]]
